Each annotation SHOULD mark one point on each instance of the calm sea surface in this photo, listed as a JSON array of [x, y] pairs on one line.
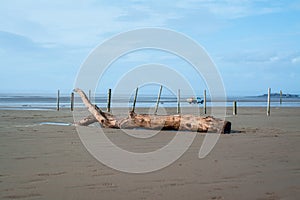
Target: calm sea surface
[[49, 102]]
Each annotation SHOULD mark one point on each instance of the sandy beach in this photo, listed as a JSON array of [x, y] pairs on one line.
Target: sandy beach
[[259, 160]]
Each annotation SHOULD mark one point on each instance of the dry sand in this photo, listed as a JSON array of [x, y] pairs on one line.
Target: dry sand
[[260, 161]]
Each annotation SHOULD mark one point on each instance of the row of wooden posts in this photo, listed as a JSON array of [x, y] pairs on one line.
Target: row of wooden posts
[[234, 107]]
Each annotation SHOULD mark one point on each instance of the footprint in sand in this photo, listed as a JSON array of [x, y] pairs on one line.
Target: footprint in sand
[[35, 180], [51, 174], [22, 196]]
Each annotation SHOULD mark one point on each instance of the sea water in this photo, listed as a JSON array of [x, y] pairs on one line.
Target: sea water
[[49, 101]]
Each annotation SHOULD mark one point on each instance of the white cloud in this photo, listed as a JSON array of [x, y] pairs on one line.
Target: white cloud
[[87, 23], [235, 8], [274, 59], [295, 60], [78, 23], [69, 23], [267, 58]]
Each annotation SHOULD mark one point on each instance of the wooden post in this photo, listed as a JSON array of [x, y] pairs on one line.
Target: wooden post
[[234, 109], [57, 101], [158, 99], [178, 101], [90, 97], [134, 100], [72, 101], [204, 103], [269, 102], [108, 100], [280, 100]]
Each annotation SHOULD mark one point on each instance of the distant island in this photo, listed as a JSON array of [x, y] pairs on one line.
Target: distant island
[[278, 95]]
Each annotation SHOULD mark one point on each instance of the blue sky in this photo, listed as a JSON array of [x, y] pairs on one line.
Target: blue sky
[[255, 44]]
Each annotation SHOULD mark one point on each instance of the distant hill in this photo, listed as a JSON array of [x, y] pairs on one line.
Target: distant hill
[[278, 95]]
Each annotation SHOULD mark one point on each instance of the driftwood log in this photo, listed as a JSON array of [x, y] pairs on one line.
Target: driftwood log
[[147, 121]]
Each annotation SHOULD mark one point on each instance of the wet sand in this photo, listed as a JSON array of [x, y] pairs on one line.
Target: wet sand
[[259, 160]]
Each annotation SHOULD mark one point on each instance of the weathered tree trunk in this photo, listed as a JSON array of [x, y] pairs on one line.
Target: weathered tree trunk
[[160, 122]]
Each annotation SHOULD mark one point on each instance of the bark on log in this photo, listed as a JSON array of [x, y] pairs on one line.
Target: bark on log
[[86, 121], [160, 122]]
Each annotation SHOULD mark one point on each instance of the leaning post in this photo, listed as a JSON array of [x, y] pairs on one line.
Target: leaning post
[[158, 99], [134, 100]]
